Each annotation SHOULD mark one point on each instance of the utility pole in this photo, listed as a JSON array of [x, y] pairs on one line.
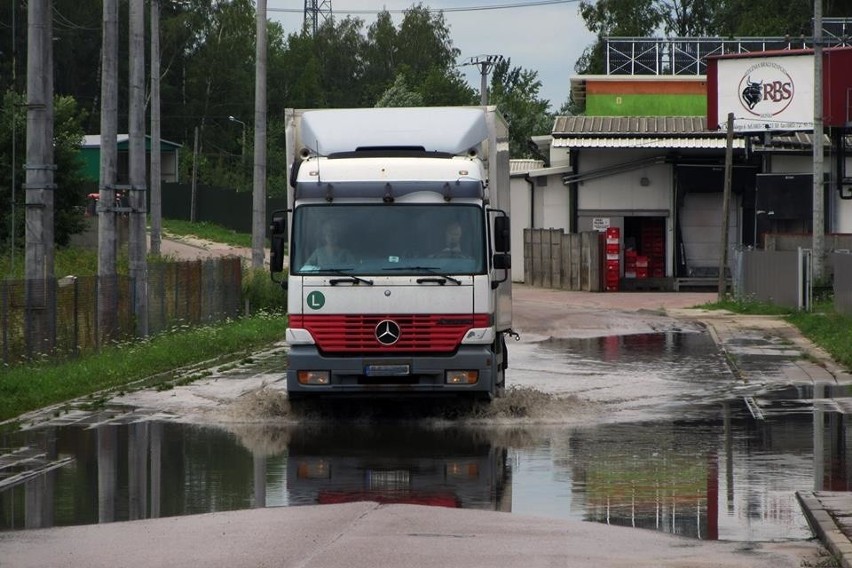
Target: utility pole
[[818, 188], [726, 204], [14, 135], [39, 174], [136, 129], [485, 64], [107, 237], [156, 156], [258, 232]]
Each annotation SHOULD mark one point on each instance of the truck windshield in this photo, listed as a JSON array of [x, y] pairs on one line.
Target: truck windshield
[[388, 239]]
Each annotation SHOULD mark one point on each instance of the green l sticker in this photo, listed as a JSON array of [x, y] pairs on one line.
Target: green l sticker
[[316, 300]]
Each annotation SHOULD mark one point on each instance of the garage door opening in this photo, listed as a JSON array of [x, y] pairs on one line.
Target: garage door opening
[[644, 247]]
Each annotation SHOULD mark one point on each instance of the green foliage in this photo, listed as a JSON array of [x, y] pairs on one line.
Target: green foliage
[[515, 92], [28, 387], [696, 18], [262, 293], [625, 18], [399, 95], [764, 18], [822, 325], [207, 231], [69, 199], [747, 306], [829, 330]]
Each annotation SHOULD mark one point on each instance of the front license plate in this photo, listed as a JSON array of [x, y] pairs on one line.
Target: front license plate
[[394, 480], [387, 370]]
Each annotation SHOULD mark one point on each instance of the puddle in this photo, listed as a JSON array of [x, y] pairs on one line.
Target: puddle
[[648, 431]]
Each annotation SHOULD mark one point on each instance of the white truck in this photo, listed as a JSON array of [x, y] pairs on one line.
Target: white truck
[[398, 233]]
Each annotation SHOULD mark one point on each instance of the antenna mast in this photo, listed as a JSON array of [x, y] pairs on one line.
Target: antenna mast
[[316, 12]]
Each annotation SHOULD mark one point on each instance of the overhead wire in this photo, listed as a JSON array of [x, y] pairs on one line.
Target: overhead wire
[[487, 7]]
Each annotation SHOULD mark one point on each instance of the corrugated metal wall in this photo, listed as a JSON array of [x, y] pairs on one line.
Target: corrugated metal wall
[[222, 206], [842, 283], [182, 293], [771, 276]]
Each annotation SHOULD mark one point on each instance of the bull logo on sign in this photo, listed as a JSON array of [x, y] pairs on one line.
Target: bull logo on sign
[[752, 94]]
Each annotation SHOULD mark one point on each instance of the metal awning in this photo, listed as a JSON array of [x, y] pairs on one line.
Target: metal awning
[[656, 142]]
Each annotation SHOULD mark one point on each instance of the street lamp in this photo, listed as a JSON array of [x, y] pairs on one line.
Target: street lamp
[[243, 124]]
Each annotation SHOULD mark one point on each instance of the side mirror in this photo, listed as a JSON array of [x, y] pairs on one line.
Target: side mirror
[[502, 261], [278, 238], [502, 234]]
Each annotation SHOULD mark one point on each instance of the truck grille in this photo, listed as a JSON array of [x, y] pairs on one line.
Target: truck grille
[[351, 333]]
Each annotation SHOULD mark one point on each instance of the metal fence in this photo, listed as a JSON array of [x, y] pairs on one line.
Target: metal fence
[[778, 277], [688, 55], [842, 282], [566, 261], [65, 316]]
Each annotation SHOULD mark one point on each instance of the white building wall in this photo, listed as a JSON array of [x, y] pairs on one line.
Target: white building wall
[[624, 191], [554, 205], [520, 204]]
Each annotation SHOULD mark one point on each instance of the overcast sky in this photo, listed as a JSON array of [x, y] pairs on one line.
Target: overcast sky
[[547, 36]]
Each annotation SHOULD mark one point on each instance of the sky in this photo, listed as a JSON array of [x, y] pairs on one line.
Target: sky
[[546, 36]]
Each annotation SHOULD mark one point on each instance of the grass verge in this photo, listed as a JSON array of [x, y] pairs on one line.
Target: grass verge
[[829, 330], [823, 326], [206, 231], [29, 387]]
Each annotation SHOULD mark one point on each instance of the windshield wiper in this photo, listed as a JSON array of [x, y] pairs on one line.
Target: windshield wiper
[[431, 270], [346, 277]]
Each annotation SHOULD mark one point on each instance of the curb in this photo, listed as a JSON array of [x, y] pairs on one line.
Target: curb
[[825, 527]]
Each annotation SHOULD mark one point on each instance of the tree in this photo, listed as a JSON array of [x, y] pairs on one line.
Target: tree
[[399, 95], [424, 43], [689, 18], [446, 88], [338, 46], [422, 49], [697, 18], [624, 18], [69, 199], [739, 18], [515, 91], [380, 56]]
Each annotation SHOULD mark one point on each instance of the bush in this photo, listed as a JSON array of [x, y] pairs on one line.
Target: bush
[[262, 293]]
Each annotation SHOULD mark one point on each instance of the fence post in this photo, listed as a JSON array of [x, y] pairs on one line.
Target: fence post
[[5, 299], [805, 279]]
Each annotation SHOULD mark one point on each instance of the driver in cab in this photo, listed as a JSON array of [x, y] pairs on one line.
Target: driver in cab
[[330, 253]]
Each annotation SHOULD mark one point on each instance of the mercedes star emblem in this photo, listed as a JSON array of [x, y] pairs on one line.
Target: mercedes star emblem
[[387, 332]]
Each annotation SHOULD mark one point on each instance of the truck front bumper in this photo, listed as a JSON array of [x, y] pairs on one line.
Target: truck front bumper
[[471, 371]]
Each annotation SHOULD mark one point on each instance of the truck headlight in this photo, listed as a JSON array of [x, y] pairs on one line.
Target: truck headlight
[[314, 377], [479, 336], [461, 377]]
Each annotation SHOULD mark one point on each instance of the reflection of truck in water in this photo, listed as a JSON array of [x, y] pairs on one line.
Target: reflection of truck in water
[[456, 468], [398, 278]]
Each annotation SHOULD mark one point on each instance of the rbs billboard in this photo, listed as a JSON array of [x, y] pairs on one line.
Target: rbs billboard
[[774, 90], [764, 91]]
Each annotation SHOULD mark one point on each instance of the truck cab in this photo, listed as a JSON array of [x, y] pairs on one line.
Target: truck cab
[[398, 281]]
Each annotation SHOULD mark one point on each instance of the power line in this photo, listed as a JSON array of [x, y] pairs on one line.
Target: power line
[[446, 10]]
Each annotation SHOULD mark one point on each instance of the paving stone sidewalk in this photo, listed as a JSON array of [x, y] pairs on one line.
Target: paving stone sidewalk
[[747, 338]]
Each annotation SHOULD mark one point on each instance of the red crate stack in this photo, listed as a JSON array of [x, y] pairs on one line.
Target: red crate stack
[[630, 257], [613, 261], [653, 246], [641, 266]]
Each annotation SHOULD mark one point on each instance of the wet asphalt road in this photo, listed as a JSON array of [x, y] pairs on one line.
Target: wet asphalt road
[[552, 324]]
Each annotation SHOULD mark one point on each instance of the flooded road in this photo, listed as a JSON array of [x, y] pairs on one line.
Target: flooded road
[[647, 430]]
